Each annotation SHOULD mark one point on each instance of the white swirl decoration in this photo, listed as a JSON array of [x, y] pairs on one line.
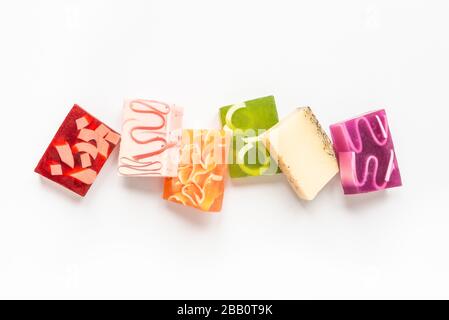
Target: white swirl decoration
[[251, 142]]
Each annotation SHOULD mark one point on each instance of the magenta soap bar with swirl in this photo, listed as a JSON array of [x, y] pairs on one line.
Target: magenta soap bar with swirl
[[152, 132], [365, 153]]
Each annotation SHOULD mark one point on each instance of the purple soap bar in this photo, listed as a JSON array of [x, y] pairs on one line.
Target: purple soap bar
[[365, 153]]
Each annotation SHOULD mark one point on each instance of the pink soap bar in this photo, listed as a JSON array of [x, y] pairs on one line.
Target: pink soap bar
[[151, 137], [365, 153]]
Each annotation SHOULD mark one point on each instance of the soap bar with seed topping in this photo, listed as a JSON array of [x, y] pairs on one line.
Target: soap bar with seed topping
[[247, 121], [202, 168], [303, 151], [151, 137], [366, 153], [78, 151]]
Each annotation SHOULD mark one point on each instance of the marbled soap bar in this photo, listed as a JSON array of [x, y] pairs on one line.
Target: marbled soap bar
[[366, 153], [200, 180], [247, 121], [78, 151], [151, 137], [303, 151]]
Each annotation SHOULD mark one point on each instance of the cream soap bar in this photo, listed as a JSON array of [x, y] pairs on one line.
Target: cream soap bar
[[303, 151], [151, 139]]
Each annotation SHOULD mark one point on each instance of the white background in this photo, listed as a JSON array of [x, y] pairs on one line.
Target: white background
[[342, 58]]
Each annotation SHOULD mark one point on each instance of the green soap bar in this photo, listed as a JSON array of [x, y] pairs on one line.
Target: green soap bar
[[247, 120]]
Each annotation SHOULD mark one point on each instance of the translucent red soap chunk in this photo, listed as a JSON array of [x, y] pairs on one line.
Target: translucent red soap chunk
[[78, 151], [366, 155]]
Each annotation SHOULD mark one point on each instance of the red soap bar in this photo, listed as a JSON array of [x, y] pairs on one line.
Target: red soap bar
[[78, 151]]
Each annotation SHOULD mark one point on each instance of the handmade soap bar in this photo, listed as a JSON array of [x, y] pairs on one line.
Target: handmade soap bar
[[303, 151], [202, 168], [366, 154], [247, 121], [78, 151], [151, 137]]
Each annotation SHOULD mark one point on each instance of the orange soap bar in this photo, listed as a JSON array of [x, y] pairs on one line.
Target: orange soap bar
[[201, 172]]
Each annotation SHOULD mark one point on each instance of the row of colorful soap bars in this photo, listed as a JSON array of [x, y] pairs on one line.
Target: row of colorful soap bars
[[252, 142]]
